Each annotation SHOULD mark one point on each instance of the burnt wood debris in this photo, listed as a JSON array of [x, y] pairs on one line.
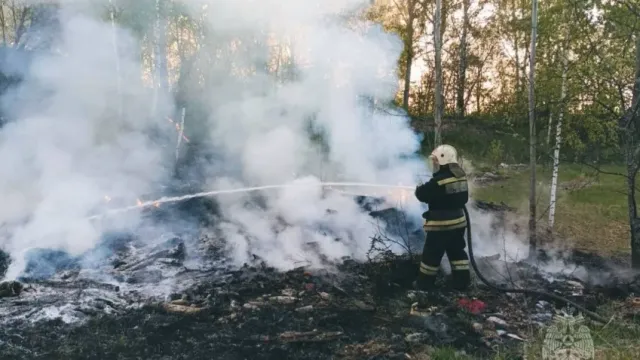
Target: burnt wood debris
[[60, 309]]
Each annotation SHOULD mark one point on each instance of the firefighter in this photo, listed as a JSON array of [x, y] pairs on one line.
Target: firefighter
[[444, 223]]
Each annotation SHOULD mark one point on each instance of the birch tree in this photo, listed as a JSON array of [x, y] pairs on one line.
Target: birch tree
[[558, 139], [411, 15], [439, 106], [532, 130], [549, 126], [161, 76], [462, 66]]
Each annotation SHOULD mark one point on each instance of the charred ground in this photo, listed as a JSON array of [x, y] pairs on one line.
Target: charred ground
[[350, 310], [359, 311]]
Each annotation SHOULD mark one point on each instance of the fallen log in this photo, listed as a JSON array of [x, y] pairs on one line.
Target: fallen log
[[173, 249], [182, 309], [309, 336]]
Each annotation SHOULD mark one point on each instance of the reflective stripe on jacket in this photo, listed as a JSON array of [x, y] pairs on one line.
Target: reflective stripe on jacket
[[446, 194], [441, 220]]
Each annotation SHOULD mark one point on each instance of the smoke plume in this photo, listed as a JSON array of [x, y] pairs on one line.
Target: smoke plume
[[89, 133], [68, 148]]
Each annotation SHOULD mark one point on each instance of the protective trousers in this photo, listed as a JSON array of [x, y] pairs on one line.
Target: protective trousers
[[436, 245]]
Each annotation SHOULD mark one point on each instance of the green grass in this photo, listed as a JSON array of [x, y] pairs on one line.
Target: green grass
[[591, 212]]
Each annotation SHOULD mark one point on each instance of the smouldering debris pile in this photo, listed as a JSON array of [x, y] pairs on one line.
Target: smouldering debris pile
[[179, 298], [352, 310]]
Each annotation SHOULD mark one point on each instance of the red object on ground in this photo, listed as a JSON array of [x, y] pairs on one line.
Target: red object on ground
[[309, 286], [473, 306]]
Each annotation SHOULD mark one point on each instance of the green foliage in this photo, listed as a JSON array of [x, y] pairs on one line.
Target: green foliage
[[596, 37], [495, 152]]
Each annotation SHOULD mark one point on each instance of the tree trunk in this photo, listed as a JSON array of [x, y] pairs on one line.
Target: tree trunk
[[409, 49], [556, 150], [163, 71], [160, 55], [527, 51], [291, 64], [516, 46], [523, 68], [479, 90], [462, 69], [116, 54], [2, 23], [549, 127], [631, 136], [532, 130], [438, 60], [180, 133]]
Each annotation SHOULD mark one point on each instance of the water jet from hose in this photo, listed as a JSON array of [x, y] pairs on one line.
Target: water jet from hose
[[163, 200], [492, 286]]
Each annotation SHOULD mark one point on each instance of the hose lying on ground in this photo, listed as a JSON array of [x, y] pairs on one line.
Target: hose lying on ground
[[542, 293]]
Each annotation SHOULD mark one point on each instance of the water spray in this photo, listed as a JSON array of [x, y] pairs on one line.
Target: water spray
[[165, 199], [488, 283]]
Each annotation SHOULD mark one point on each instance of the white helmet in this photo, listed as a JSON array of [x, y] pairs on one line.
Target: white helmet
[[442, 155]]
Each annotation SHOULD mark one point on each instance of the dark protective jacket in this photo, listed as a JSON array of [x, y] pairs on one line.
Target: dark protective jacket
[[446, 194]]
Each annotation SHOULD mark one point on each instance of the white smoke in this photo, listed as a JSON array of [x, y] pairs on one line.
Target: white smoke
[[491, 237], [70, 148], [265, 128]]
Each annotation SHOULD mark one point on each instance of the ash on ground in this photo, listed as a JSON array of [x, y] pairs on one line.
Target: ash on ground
[[150, 302]]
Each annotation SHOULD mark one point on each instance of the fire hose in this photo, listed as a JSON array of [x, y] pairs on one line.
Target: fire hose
[[541, 293], [525, 291]]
